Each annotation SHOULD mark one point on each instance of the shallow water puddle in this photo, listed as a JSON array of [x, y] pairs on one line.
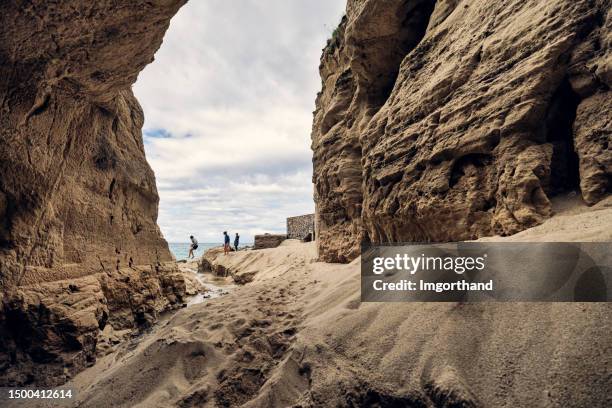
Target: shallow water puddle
[[215, 287]]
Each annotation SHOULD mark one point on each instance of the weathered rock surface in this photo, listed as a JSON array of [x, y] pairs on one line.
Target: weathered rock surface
[[209, 262], [50, 330], [268, 240], [77, 197], [450, 120], [242, 269]]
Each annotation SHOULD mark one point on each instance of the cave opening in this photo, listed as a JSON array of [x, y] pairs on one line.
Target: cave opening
[[384, 71], [564, 165]]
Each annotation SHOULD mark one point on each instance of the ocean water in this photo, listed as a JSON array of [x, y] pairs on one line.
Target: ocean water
[[180, 250]]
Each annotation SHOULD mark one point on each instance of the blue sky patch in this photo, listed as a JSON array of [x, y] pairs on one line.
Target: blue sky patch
[[157, 133]]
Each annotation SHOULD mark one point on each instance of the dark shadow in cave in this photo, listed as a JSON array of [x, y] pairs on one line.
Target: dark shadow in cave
[[564, 172]]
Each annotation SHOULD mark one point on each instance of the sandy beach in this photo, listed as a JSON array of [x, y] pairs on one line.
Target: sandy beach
[[297, 335]]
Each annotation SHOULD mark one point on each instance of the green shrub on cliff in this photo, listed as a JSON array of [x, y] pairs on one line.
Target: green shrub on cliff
[[334, 41]]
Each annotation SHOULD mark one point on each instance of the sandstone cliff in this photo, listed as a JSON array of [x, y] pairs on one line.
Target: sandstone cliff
[[450, 120], [78, 200]]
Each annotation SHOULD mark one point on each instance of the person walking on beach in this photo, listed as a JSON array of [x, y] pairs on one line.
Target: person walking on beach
[[192, 247], [236, 241], [226, 245]]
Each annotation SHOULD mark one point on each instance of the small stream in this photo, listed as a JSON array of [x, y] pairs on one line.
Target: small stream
[[215, 286]]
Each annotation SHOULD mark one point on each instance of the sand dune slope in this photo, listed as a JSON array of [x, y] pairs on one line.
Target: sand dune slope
[[299, 336]]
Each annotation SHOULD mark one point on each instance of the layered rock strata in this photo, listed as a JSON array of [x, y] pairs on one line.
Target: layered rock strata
[[50, 330], [78, 201], [452, 120]]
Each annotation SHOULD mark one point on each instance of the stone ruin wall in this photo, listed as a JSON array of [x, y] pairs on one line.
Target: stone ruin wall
[[299, 227]]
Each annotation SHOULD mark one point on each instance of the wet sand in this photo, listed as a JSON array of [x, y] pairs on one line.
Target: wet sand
[[213, 286]]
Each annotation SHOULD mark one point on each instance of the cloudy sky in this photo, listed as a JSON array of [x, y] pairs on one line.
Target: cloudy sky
[[228, 109]]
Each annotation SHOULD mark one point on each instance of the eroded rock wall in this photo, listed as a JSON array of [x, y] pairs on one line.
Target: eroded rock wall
[[50, 331], [358, 69], [451, 120], [78, 200], [76, 191]]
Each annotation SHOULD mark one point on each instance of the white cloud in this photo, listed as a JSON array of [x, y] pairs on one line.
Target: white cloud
[[230, 97]]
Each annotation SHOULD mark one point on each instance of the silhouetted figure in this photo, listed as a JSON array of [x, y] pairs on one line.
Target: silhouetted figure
[[226, 244], [192, 247]]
